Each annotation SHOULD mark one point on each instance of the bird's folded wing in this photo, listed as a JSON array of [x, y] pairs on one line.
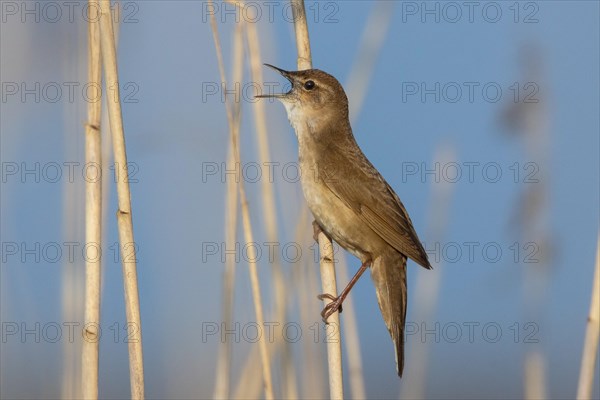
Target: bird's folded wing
[[370, 196]]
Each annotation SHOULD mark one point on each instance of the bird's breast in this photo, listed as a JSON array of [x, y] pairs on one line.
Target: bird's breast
[[336, 218]]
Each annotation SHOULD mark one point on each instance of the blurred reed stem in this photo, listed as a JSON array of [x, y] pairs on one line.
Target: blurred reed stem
[[124, 220], [93, 217], [223, 371], [428, 283], [269, 213], [535, 373], [306, 283], [326, 260], [351, 340], [592, 335], [233, 117]]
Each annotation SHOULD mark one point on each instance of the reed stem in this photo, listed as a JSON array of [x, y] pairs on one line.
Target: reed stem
[[326, 260], [592, 335], [125, 223], [93, 217]]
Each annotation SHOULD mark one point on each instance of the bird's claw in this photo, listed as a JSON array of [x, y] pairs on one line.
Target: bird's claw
[[335, 305]]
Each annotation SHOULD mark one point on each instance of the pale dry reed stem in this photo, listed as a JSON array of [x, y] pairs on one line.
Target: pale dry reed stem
[[93, 218], [223, 370], [124, 220], [332, 330], [535, 372], [234, 125], [249, 385], [334, 345], [592, 335], [269, 210], [107, 161], [351, 340], [306, 282], [252, 256], [302, 38], [533, 219]]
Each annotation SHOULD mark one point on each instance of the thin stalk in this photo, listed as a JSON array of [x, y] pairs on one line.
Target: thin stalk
[[93, 218], [223, 371], [332, 329], [124, 220], [306, 284], [302, 38], [351, 341], [254, 282], [326, 260], [535, 372], [592, 334], [269, 210], [234, 126]]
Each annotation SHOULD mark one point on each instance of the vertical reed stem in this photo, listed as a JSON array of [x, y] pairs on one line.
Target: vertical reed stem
[[233, 117], [93, 217], [223, 369], [592, 335], [124, 220], [334, 346]]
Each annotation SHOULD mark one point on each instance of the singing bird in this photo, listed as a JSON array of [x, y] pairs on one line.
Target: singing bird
[[348, 197]]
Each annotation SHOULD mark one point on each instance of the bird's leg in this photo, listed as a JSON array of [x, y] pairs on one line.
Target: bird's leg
[[336, 302]]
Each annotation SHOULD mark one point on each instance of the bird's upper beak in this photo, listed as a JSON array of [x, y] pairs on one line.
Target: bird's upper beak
[[287, 75]]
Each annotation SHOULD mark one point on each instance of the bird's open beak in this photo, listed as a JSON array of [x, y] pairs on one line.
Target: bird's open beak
[[287, 75]]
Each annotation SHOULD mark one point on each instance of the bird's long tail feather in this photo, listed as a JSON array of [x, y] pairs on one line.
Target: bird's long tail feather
[[389, 275]]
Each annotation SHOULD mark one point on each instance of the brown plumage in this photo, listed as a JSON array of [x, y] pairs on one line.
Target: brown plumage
[[350, 200]]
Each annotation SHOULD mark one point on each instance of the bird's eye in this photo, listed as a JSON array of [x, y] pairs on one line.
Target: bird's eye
[[309, 85]]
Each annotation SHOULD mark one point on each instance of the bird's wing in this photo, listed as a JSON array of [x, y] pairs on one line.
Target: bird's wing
[[362, 188]]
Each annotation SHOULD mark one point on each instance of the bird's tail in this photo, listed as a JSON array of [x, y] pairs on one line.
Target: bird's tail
[[389, 275]]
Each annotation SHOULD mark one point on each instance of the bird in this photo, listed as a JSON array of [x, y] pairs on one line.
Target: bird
[[350, 200]]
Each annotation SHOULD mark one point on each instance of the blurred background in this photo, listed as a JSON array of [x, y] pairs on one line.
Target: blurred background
[[483, 116]]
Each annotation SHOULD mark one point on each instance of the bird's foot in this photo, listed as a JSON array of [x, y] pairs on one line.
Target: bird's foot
[[335, 305]]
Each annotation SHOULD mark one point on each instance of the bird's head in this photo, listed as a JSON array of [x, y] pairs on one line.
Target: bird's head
[[316, 99]]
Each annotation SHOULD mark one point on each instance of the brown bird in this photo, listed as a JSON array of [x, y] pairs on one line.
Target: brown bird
[[350, 200]]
